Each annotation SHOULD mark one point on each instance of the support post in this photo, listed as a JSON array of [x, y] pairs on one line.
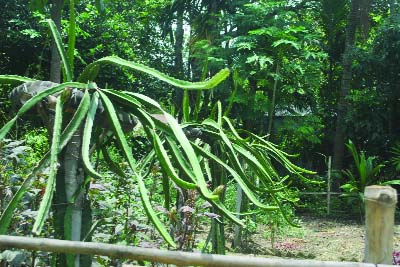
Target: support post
[[328, 193], [380, 203]]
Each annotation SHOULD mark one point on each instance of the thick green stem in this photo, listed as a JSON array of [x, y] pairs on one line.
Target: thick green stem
[[74, 196]]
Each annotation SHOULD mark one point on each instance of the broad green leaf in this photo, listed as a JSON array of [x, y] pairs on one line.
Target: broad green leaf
[[128, 155], [50, 186], [61, 51], [87, 134], [86, 75]]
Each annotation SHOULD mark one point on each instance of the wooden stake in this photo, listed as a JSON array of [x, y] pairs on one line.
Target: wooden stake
[[380, 203], [328, 193]]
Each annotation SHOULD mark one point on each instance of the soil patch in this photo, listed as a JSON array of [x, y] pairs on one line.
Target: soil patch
[[319, 239]]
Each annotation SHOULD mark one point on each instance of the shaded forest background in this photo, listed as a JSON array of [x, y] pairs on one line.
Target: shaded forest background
[[290, 59]]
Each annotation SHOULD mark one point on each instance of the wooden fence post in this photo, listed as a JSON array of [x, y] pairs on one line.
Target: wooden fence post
[[328, 193], [380, 204]]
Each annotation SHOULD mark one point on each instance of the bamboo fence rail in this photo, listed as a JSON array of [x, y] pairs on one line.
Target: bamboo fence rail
[[162, 256]]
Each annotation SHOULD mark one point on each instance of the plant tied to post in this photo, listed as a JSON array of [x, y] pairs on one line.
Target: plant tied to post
[[186, 162]]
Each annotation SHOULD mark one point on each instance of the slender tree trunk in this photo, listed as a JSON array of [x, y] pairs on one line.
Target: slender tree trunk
[[392, 6], [178, 46], [271, 110], [338, 149], [178, 56], [55, 63]]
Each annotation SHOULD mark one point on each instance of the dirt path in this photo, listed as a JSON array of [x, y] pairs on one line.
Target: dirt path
[[319, 239]]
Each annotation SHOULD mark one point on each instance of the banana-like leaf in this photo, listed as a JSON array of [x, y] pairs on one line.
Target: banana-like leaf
[[69, 130], [50, 186], [14, 79], [33, 101], [87, 134], [128, 155], [87, 74]]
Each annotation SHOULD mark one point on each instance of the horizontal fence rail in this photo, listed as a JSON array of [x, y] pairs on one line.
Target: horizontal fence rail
[[162, 256]]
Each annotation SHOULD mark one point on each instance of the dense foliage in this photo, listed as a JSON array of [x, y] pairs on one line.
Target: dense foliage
[[306, 75]]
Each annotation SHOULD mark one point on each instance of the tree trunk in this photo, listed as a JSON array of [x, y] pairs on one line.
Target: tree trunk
[[271, 110], [178, 46], [178, 57], [55, 63], [338, 149], [392, 6]]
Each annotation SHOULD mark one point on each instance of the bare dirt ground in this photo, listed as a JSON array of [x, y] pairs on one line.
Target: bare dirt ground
[[319, 239]]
